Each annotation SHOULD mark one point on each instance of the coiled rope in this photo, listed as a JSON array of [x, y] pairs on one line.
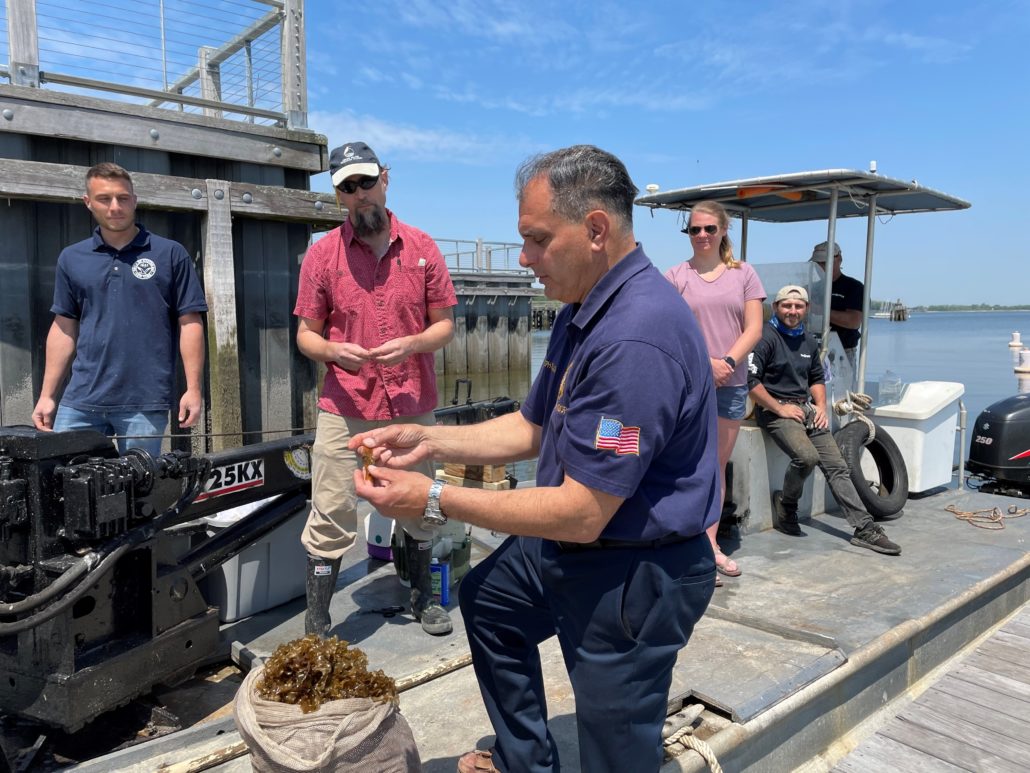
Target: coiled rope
[[990, 518], [856, 403], [685, 736]]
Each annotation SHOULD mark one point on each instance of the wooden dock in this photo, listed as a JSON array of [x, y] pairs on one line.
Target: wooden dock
[[976, 717]]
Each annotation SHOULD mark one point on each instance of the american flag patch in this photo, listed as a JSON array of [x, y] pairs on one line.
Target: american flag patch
[[611, 435]]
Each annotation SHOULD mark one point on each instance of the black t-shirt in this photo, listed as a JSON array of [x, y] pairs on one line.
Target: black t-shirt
[[785, 365], [847, 296]]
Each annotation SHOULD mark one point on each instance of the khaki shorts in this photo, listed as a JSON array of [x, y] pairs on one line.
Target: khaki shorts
[[332, 524]]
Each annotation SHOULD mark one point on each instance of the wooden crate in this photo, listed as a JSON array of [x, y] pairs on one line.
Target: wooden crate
[[499, 485], [488, 473]]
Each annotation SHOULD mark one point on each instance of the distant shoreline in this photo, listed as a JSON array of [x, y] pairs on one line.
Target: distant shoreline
[[923, 310]]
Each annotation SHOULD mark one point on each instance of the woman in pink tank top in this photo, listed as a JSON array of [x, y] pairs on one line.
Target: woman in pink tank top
[[726, 298]]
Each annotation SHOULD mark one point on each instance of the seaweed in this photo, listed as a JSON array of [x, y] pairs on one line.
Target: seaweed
[[311, 671]]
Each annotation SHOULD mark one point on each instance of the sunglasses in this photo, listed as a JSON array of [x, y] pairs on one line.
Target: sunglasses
[[694, 230], [365, 183]]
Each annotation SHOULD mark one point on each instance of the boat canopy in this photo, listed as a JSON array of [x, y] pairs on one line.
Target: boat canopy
[[801, 196]]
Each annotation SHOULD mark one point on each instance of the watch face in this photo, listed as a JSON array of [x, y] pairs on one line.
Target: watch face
[[434, 519]]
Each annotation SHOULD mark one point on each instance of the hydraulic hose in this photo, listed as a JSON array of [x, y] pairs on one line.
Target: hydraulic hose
[[108, 559], [70, 575]]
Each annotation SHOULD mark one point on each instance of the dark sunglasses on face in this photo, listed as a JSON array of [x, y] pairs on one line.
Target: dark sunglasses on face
[[365, 183], [694, 230]]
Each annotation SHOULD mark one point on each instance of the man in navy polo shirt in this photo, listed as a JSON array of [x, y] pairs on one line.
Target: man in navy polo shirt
[[610, 552], [121, 299]]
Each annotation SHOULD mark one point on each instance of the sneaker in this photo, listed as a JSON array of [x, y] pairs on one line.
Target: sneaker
[[786, 520], [873, 537]]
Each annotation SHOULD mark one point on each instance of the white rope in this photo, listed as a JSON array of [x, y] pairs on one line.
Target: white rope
[[686, 737], [856, 403]]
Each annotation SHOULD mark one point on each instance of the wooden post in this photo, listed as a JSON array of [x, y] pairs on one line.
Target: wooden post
[[210, 79], [223, 349], [476, 335], [455, 353], [518, 334], [294, 65], [23, 42], [497, 331]]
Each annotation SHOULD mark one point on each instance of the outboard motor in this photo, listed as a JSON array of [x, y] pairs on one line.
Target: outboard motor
[[999, 451]]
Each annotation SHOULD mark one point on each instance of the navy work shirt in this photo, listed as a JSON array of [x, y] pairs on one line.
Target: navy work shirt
[[626, 401], [128, 303]]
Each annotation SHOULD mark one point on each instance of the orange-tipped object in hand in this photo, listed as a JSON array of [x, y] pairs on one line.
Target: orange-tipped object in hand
[[366, 458]]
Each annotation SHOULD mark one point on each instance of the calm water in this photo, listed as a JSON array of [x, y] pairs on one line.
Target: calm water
[[967, 347]]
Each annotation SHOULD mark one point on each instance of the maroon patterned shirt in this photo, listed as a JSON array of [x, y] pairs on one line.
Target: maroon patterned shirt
[[369, 302]]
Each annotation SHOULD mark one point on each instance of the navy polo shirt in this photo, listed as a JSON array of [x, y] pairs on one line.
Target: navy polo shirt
[[626, 403], [128, 303]]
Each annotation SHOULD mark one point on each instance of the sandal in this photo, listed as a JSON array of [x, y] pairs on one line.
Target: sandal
[[728, 566], [478, 761]]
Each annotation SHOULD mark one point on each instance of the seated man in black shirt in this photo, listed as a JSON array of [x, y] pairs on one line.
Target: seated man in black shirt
[[846, 303], [787, 384]]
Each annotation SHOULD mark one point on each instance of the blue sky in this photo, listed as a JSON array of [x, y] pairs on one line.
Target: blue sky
[[453, 96]]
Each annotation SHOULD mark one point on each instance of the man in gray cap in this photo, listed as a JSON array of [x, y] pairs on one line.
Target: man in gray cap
[[787, 384], [375, 300], [846, 300]]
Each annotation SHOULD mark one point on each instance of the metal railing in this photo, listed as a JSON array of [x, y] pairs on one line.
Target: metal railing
[[237, 59], [481, 256]]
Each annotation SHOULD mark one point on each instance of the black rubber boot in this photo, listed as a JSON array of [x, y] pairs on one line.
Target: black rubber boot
[[427, 610], [786, 519], [320, 584]]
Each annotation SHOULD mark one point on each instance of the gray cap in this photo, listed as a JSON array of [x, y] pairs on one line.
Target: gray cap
[[354, 158], [819, 252]]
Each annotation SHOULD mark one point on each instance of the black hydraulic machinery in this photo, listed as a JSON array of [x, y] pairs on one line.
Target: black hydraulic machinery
[[99, 567], [101, 554]]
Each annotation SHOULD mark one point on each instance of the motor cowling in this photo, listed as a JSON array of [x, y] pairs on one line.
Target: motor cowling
[[999, 448]]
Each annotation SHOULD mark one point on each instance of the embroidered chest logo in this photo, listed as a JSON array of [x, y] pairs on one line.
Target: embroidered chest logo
[[559, 406], [144, 268], [613, 436]]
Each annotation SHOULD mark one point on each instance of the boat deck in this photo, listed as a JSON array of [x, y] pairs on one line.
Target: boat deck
[[976, 717], [814, 638]]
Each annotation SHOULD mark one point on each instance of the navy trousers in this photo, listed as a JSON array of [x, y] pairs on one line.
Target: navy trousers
[[621, 616]]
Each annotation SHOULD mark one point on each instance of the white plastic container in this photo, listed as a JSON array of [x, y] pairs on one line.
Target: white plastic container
[[923, 423], [246, 584]]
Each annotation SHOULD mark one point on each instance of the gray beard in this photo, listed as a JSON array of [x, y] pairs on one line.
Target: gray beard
[[370, 222]]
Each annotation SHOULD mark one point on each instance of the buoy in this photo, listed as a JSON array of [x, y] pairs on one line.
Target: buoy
[[1015, 343], [1024, 361]]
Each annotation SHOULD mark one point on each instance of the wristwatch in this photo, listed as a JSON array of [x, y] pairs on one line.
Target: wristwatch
[[730, 361], [433, 516]]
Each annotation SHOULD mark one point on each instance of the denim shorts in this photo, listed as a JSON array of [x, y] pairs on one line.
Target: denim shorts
[[732, 401]]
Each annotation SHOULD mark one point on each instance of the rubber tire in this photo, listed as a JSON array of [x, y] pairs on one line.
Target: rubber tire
[[890, 496]]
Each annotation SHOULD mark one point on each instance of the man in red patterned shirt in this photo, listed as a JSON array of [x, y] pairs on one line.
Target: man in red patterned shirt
[[375, 301]]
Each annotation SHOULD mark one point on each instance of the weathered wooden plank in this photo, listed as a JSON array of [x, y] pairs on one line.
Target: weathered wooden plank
[[41, 181], [1015, 655], [17, 397], [989, 662], [455, 352], [84, 102], [223, 346], [476, 332], [497, 332], [963, 744], [879, 754], [518, 335], [113, 123], [989, 690], [1014, 640], [967, 712], [1021, 630]]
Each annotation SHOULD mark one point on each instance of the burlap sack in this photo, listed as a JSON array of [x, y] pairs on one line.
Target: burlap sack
[[346, 736]]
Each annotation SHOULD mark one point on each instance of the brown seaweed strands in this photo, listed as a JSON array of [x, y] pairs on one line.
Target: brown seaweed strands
[[312, 671]]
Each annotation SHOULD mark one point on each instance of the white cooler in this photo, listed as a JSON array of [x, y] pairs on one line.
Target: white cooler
[[923, 425]]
